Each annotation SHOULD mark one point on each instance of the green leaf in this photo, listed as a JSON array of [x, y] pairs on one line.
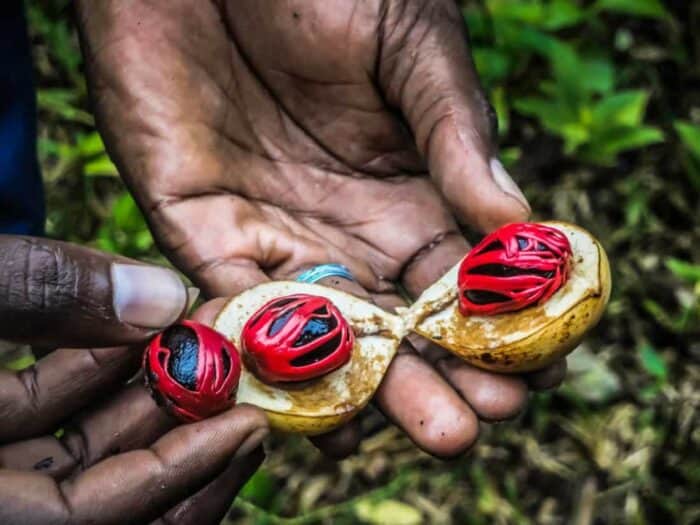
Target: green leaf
[[637, 205], [557, 119], [550, 15], [577, 77], [509, 156], [518, 38], [536, 107], [492, 64], [48, 147], [562, 13], [500, 106], [649, 8], [684, 270], [574, 134], [553, 115], [687, 320], [388, 512], [608, 144], [63, 103], [690, 136], [625, 108], [596, 75], [58, 35], [91, 144], [260, 489], [20, 363], [531, 13], [105, 242], [566, 68], [102, 166], [477, 21], [632, 138], [127, 215], [652, 362]]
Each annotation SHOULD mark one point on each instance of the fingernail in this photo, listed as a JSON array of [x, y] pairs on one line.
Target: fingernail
[[252, 442], [192, 296], [147, 296], [507, 184]]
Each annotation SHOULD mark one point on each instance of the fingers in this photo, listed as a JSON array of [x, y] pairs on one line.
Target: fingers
[[341, 442], [124, 422], [550, 377], [426, 70], [431, 264], [34, 401], [44, 454], [416, 398], [206, 314], [228, 277], [494, 397], [65, 295], [210, 504], [140, 484]]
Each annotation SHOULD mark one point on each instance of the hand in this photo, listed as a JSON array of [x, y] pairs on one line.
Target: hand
[[263, 137], [120, 458]]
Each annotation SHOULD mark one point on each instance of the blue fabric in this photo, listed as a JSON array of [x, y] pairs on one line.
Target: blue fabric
[[21, 193]]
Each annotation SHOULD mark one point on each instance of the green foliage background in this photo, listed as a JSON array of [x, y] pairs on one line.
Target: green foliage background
[[599, 110]]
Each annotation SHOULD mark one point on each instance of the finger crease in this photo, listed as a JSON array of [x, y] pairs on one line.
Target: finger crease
[[29, 378], [161, 463], [66, 502], [75, 442], [424, 251], [165, 202]]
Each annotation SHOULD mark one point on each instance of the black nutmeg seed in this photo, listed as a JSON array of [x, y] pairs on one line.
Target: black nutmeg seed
[[184, 352]]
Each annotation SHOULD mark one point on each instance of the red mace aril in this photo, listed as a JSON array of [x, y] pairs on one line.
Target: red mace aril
[[296, 338], [512, 268], [192, 370]]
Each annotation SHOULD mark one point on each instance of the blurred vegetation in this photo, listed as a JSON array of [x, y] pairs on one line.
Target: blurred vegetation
[[599, 110]]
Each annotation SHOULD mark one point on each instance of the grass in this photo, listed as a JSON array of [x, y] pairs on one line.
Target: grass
[[599, 104]]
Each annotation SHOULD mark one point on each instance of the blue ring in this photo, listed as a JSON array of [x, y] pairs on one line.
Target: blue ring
[[317, 273]]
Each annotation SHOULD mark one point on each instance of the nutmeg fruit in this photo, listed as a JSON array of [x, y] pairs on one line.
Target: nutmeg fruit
[[192, 371], [327, 398], [547, 285]]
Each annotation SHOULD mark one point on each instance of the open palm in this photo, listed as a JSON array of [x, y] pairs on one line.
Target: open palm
[[264, 137]]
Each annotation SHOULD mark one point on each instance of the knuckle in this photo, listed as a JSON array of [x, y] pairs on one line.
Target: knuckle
[[77, 445], [42, 276], [407, 28], [29, 379]]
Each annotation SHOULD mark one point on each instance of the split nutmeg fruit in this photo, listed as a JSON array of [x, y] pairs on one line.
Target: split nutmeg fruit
[[313, 356], [527, 295]]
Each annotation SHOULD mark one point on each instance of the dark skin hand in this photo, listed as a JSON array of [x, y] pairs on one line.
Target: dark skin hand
[[120, 459], [262, 137]]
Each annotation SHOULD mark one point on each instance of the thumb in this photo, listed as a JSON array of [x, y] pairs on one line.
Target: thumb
[[60, 294], [426, 70]]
